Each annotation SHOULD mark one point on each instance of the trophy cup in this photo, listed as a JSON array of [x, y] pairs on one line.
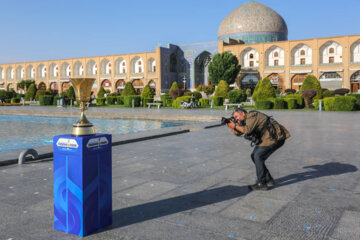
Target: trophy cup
[[82, 87]]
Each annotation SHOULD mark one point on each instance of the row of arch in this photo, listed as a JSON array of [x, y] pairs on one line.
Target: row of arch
[[330, 53], [106, 68]]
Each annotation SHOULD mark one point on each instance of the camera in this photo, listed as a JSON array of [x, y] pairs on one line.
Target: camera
[[225, 120]]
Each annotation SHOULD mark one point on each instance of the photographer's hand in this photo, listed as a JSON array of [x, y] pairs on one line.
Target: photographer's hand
[[235, 129]]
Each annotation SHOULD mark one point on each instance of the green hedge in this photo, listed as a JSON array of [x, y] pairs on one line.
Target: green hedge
[[164, 99], [128, 100], [357, 97], [263, 105], [204, 102], [45, 100], [292, 103], [279, 103], [344, 103], [120, 100], [329, 104], [15, 100], [100, 101], [177, 102], [147, 100], [328, 93], [111, 100], [236, 96], [169, 102], [299, 99], [55, 100], [197, 95], [217, 101]]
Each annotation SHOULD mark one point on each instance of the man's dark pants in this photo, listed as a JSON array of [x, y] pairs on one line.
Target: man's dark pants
[[259, 155]]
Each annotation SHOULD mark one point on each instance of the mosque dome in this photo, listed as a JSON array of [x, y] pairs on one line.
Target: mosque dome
[[253, 22]]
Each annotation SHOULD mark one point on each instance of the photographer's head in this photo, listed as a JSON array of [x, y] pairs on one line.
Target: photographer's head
[[239, 114]]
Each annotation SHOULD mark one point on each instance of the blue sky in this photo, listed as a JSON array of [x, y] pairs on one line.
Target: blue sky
[[34, 30]]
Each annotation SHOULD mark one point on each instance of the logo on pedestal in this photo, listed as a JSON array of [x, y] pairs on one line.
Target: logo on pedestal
[[97, 142], [67, 144]]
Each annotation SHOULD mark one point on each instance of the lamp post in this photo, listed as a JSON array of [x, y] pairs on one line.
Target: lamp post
[[184, 81]]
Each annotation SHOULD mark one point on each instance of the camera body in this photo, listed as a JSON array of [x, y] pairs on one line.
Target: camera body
[[225, 120]]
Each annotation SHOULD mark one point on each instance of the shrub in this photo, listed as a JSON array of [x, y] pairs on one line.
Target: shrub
[[55, 99], [263, 105], [71, 93], [175, 93], [147, 93], [341, 91], [15, 100], [111, 100], [129, 90], [147, 100], [279, 103], [329, 104], [30, 93], [207, 89], [164, 99], [100, 101], [299, 99], [263, 90], [204, 102], [292, 103], [217, 101], [101, 92], [290, 91], [308, 95], [174, 86], [345, 103], [120, 100], [248, 92], [169, 102], [277, 91], [328, 93], [236, 96], [20, 95], [223, 66], [128, 100], [311, 83], [222, 89], [357, 97], [45, 100], [197, 95], [39, 93]]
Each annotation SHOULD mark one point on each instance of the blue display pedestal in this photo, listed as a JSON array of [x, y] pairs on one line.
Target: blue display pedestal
[[82, 183]]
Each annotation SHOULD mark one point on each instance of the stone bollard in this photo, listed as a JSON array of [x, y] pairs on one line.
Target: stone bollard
[[320, 105], [133, 103], [211, 103]]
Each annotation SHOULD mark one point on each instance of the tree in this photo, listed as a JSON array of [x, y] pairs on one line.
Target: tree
[[222, 89], [30, 93], [128, 90], [25, 84], [263, 90], [101, 92], [147, 93], [70, 93], [308, 95], [224, 66], [311, 83], [174, 86]]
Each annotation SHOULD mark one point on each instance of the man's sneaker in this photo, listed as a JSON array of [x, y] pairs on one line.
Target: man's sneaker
[[270, 183], [258, 186]]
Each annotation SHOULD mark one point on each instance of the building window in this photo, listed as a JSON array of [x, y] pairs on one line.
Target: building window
[[302, 53], [276, 54], [331, 59], [251, 63], [302, 61], [276, 62], [331, 50], [251, 56]]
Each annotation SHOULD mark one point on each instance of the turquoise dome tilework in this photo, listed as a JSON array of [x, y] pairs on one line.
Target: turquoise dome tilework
[[253, 22]]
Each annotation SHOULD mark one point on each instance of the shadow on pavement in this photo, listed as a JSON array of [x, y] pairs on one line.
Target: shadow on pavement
[[328, 169], [152, 210]]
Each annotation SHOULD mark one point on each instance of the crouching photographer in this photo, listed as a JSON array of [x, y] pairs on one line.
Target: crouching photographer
[[266, 134]]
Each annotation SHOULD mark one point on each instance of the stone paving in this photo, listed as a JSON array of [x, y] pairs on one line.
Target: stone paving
[[194, 186]]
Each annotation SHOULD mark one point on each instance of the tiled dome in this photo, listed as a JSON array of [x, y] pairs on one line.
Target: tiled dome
[[253, 22]]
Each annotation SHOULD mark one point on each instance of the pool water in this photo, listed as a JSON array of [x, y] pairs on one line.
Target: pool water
[[26, 131]]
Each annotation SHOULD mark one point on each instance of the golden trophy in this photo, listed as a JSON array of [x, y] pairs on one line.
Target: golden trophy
[[82, 87]]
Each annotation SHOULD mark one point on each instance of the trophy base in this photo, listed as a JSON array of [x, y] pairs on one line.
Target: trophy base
[[83, 129]]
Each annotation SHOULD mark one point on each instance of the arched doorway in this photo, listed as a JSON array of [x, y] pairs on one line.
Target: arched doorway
[[331, 80], [42, 86], [106, 84], [65, 86], [152, 85], [119, 86], [276, 80], [10, 87], [297, 81], [54, 87], [355, 82], [201, 68], [249, 80], [138, 85]]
